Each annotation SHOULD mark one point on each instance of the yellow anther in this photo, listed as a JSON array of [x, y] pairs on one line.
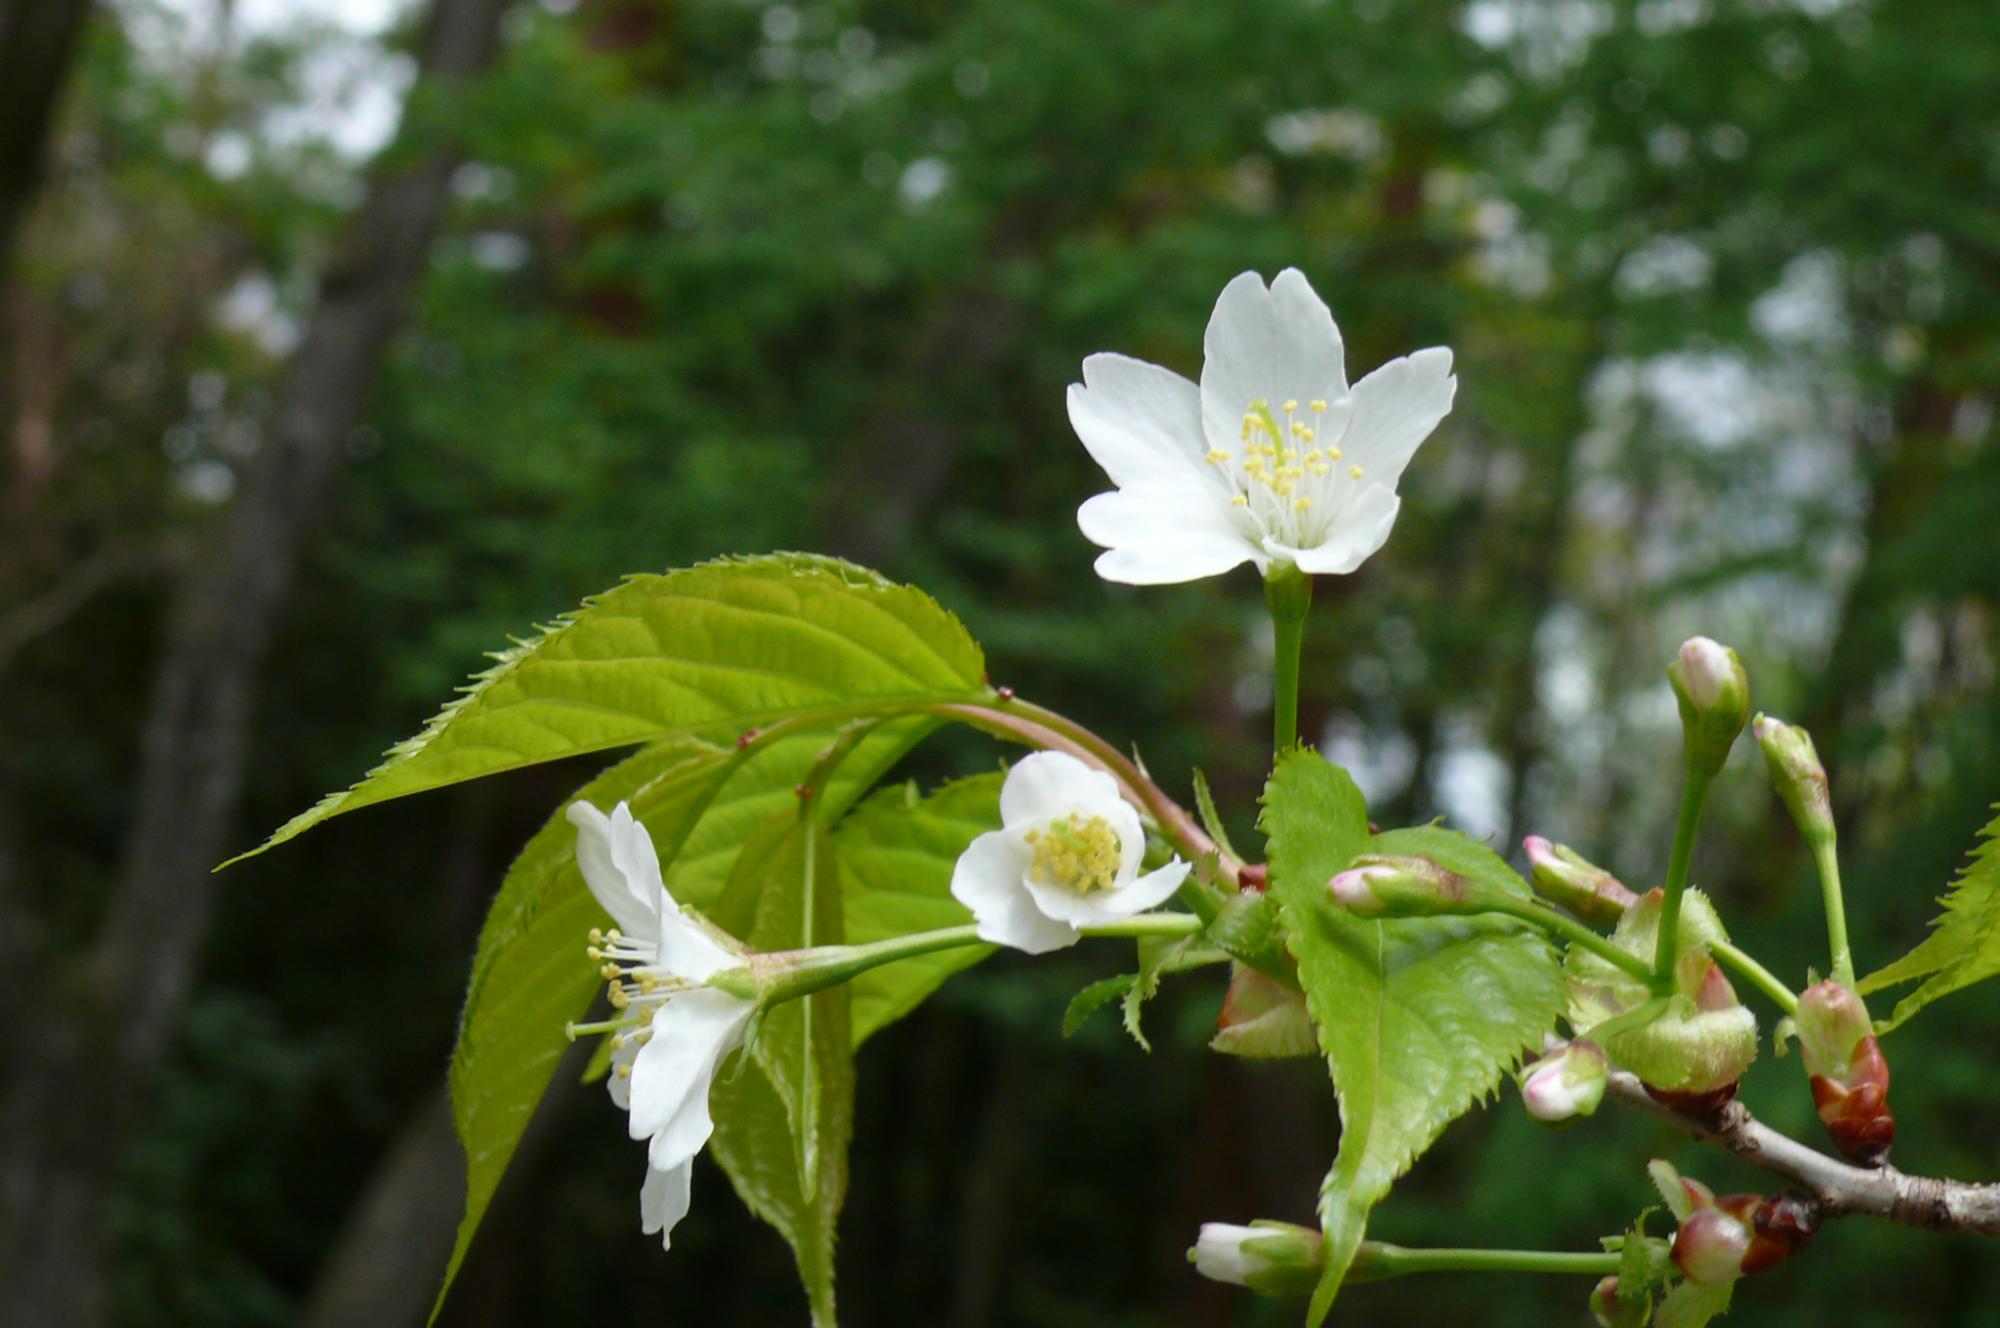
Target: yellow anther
[[1318, 407], [1216, 456], [625, 1070], [1290, 405], [608, 972], [596, 936], [614, 936], [1333, 454], [1080, 855], [1240, 500], [1355, 471], [1302, 504]]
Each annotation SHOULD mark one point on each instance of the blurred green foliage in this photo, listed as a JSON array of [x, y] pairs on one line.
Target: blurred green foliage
[[1723, 279]]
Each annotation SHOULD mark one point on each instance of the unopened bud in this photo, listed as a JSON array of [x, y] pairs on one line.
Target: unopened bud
[[1798, 776], [1274, 1258], [1714, 695], [1397, 887], [1844, 1065], [1611, 1312], [1566, 877], [1726, 1236], [1710, 1245], [1568, 1084], [1263, 1019]]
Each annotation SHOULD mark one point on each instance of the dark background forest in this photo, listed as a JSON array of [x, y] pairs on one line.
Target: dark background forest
[[338, 342]]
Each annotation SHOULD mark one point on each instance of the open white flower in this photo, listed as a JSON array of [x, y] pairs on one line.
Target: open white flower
[[1274, 459], [1067, 855], [674, 1031]]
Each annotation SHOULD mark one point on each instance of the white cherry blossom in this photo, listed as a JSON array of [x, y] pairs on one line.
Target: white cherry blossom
[[1274, 459], [674, 1032], [1067, 856]]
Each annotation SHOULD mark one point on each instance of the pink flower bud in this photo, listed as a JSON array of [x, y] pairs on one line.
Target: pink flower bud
[[1714, 695], [1566, 1085], [1566, 877], [1725, 1237], [1612, 1312], [1846, 1070]]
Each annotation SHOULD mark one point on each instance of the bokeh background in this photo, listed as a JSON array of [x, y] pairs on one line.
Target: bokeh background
[[342, 340]]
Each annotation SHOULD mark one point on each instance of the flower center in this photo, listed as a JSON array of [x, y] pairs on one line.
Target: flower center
[[1079, 854], [1286, 475]]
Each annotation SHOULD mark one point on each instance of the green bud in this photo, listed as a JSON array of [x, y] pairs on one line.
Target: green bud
[[1798, 776], [1714, 695], [1564, 876], [1405, 887]]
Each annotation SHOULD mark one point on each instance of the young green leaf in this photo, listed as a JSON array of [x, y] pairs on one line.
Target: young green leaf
[[1418, 1017], [712, 649], [1693, 1304], [896, 853], [1964, 948], [1094, 998]]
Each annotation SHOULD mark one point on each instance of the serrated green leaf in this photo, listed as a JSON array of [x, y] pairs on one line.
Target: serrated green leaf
[[1211, 819], [1964, 948], [897, 851], [1693, 1304], [1094, 998], [723, 646], [529, 976], [1418, 1017]]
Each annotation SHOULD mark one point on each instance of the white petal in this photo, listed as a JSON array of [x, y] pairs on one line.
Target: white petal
[[1162, 509], [691, 1033], [1273, 345], [1395, 408], [664, 1198], [1362, 529], [688, 951], [1138, 421], [990, 879], [1099, 906], [598, 856], [1167, 564], [1049, 784], [620, 1085]]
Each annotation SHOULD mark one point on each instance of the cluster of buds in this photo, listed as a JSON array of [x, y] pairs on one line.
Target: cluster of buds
[[1273, 1258], [1566, 1084], [1844, 1065], [1381, 886], [1563, 876], [1722, 1238], [1693, 1053], [1714, 695]]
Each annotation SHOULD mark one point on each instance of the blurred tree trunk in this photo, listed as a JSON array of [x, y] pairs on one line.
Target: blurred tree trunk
[[38, 40], [76, 1088]]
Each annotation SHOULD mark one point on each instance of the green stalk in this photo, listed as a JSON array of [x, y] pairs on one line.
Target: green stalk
[[1288, 594], [1760, 977], [1827, 859], [1637, 1017], [1375, 1262], [1694, 791], [790, 974], [1556, 924]]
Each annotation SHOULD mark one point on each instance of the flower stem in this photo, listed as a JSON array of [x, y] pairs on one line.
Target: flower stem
[[1288, 593], [1827, 859], [1760, 977], [1575, 933], [1374, 1262], [1694, 791], [786, 975]]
